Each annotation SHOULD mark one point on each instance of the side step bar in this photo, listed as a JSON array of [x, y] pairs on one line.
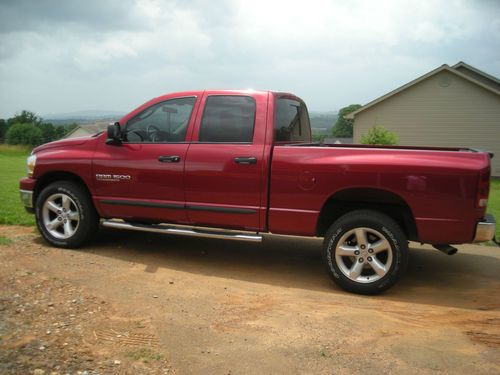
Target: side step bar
[[184, 230]]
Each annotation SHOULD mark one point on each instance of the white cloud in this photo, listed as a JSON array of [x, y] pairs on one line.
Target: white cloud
[[95, 54], [114, 55]]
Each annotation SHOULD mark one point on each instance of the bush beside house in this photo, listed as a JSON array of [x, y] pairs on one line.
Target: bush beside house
[[378, 135]]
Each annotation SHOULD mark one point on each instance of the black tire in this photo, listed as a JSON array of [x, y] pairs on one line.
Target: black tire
[[81, 230], [373, 226]]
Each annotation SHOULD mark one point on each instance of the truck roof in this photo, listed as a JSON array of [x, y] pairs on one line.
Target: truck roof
[[223, 92], [199, 93]]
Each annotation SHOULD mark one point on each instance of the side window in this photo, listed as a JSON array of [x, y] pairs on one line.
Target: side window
[[161, 123], [291, 123], [228, 119]]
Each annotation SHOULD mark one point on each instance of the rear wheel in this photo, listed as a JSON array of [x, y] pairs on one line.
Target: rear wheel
[[365, 252], [65, 215]]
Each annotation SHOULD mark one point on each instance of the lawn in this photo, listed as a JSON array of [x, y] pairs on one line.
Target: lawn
[[494, 203], [13, 167]]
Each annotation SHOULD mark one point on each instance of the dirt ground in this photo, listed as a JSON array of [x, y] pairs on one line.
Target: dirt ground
[[137, 303]]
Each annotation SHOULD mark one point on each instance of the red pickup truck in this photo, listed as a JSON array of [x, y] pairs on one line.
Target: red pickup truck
[[240, 164]]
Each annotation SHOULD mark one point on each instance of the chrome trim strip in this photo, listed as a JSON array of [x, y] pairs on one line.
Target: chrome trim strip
[[228, 210], [178, 206], [123, 202], [185, 230], [485, 229], [26, 198]]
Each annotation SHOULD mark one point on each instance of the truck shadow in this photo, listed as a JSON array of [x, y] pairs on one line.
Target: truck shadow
[[469, 279]]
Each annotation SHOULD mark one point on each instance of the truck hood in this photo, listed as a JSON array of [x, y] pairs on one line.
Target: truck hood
[[63, 143]]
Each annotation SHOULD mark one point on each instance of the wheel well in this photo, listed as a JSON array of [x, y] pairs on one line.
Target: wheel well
[[50, 177], [378, 200]]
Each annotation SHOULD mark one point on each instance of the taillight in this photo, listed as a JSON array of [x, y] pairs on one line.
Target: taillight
[[483, 188]]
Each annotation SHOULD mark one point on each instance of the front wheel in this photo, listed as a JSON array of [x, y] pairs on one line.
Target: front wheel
[[365, 252], [65, 215]]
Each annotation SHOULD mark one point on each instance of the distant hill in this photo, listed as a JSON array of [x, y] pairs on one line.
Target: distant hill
[[82, 117], [322, 122]]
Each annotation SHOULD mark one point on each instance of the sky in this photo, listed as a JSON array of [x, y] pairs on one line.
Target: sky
[[64, 56]]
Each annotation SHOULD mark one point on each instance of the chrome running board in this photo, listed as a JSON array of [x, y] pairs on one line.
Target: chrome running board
[[185, 230]]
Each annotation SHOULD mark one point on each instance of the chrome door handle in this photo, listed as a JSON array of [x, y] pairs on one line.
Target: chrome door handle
[[245, 160], [169, 159]]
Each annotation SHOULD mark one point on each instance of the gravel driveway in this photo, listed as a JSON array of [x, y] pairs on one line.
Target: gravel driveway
[[144, 303]]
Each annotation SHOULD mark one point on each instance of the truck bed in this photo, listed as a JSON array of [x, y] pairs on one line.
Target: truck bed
[[437, 184]]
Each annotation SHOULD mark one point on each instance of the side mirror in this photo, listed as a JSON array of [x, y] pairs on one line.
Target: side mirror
[[114, 134]]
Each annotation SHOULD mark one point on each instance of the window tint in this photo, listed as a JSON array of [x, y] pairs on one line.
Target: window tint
[[291, 123], [163, 122], [228, 119]]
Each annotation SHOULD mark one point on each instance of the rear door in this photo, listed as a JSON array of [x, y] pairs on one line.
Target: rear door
[[224, 164]]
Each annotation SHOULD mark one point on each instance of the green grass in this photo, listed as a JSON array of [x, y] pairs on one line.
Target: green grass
[[12, 168], [5, 241], [144, 354], [494, 203]]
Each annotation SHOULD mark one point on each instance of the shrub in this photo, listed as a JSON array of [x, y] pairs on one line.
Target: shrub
[[24, 134], [378, 135]]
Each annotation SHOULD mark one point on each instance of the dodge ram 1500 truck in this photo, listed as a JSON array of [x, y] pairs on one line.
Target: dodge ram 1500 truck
[[240, 164]]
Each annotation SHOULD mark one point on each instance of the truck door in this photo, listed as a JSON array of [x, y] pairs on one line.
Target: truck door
[[143, 178], [224, 165]]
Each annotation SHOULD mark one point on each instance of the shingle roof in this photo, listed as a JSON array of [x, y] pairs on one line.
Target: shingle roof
[[476, 70], [443, 67]]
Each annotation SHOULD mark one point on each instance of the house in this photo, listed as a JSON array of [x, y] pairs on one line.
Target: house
[[87, 129], [457, 106]]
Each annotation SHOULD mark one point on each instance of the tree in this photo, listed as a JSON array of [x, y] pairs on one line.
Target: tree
[[48, 132], [62, 130], [3, 129], [343, 126], [318, 137], [25, 117], [70, 127], [24, 134], [378, 135]]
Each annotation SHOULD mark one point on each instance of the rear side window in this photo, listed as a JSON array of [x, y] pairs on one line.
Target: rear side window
[[228, 119], [291, 123]]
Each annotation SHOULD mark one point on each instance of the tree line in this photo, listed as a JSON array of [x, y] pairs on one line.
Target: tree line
[[27, 128]]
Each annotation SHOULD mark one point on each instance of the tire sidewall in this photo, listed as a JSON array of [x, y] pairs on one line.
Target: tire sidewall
[[77, 196], [392, 233]]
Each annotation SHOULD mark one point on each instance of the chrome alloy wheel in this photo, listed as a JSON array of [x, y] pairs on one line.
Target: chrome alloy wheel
[[363, 255], [60, 216]]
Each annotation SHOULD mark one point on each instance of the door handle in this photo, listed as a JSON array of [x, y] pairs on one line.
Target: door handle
[[169, 159], [245, 160]]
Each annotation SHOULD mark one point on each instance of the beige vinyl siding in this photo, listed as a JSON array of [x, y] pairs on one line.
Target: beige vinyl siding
[[442, 110]]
